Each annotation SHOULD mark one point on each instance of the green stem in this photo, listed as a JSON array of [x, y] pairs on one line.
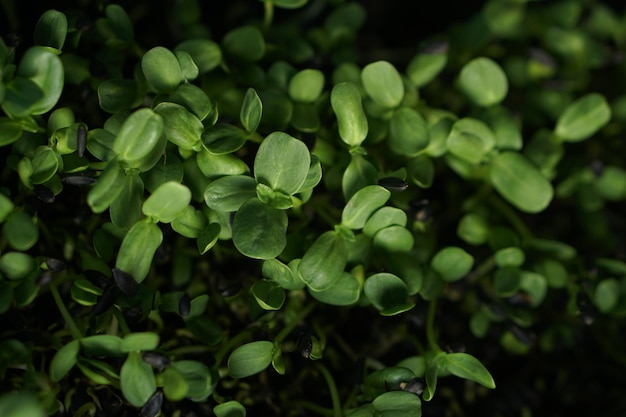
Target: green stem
[[430, 327], [121, 321], [334, 394], [481, 270], [76, 333], [269, 14], [219, 356]]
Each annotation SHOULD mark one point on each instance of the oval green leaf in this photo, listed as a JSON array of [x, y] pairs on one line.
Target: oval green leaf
[[251, 111], [471, 140], [468, 367], [64, 360], [45, 69], [180, 126], [161, 69], [229, 193], [137, 380], [346, 291], [259, 230], [484, 82], [363, 204], [51, 29], [606, 295], [452, 263], [520, 182], [268, 295], [244, 42], [167, 201], [282, 162], [383, 83], [582, 118], [324, 262], [346, 102], [205, 53], [306, 86], [20, 231], [408, 132], [250, 359], [388, 293], [138, 249], [138, 136]]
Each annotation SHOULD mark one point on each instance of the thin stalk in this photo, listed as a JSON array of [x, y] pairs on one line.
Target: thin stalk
[[511, 216], [269, 14], [289, 327], [121, 321], [334, 394], [430, 327], [76, 333], [219, 356]]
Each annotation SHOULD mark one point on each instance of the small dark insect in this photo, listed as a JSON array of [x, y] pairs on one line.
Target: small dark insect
[[152, 407], [416, 386], [184, 305], [82, 140], [393, 184], [305, 345], [106, 300], [44, 194], [55, 265], [125, 282], [78, 180], [156, 360]]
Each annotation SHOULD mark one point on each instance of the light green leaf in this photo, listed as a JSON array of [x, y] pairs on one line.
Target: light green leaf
[[384, 217], [473, 229], [408, 132], [20, 404], [180, 126], [126, 209], [383, 83], [471, 140], [346, 291], [167, 201], [16, 265], [44, 68], [582, 118], [175, 386], [306, 86], [198, 378], [223, 139], [138, 136], [251, 111], [230, 192], [281, 275], [424, 67], [139, 341], [137, 380], [606, 295], [394, 239], [520, 182], [64, 360], [398, 404], [289, 4], [468, 367], [250, 359], [282, 162], [161, 69], [346, 102], [363, 204], [259, 231], [452, 263], [20, 231], [205, 53], [484, 82]]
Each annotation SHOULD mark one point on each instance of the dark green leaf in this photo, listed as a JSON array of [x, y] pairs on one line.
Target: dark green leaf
[[520, 182], [250, 359], [259, 230], [44, 68], [109, 186], [582, 118], [281, 275], [64, 360], [424, 67], [383, 83], [20, 404], [507, 281], [137, 380], [51, 29], [288, 4], [188, 68], [205, 53], [120, 22], [421, 171], [398, 404], [346, 291], [223, 139], [20, 231], [126, 209], [194, 99], [384, 217], [231, 408], [244, 42], [161, 69], [359, 173], [10, 130], [388, 293], [606, 295], [230, 192], [484, 82], [394, 239], [213, 166], [269, 296], [116, 95], [198, 378], [102, 345], [190, 222], [180, 126]]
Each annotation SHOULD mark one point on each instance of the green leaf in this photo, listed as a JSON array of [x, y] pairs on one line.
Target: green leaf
[[233, 408], [223, 139], [175, 386], [484, 82], [251, 111], [384, 217], [6, 207], [51, 29], [468, 367], [126, 209], [10, 130], [250, 359], [230, 192], [45, 164], [135, 342], [120, 22], [117, 95], [259, 230], [424, 67], [213, 166], [471, 140], [269, 296], [288, 4], [473, 229], [16, 265], [582, 118], [20, 404], [520, 182], [189, 222], [198, 378], [44, 68], [398, 404], [194, 99], [244, 42], [205, 53], [394, 239], [509, 257], [138, 249], [282, 162], [208, 238], [606, 295], [102, 345], [167, 201], [161, 69], [345, 100], [359, 173], [20, 231], [363, 204], [188, 68], [138, 137], [507, 281], [346, 291], [452, 263], [324, 262], [306, 86], [421, 171], [388, 293], [408, 132], [282, 275], [137, 380], [64, 360], [181, 127], [383, 83], [535, 285], [109, 186]]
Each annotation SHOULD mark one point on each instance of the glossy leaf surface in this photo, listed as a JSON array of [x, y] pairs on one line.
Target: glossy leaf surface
[[345, 100], [161, 69], [250, 359], [383, 83], [484, 82], [282, 162], [362, 205], [167, 201]]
